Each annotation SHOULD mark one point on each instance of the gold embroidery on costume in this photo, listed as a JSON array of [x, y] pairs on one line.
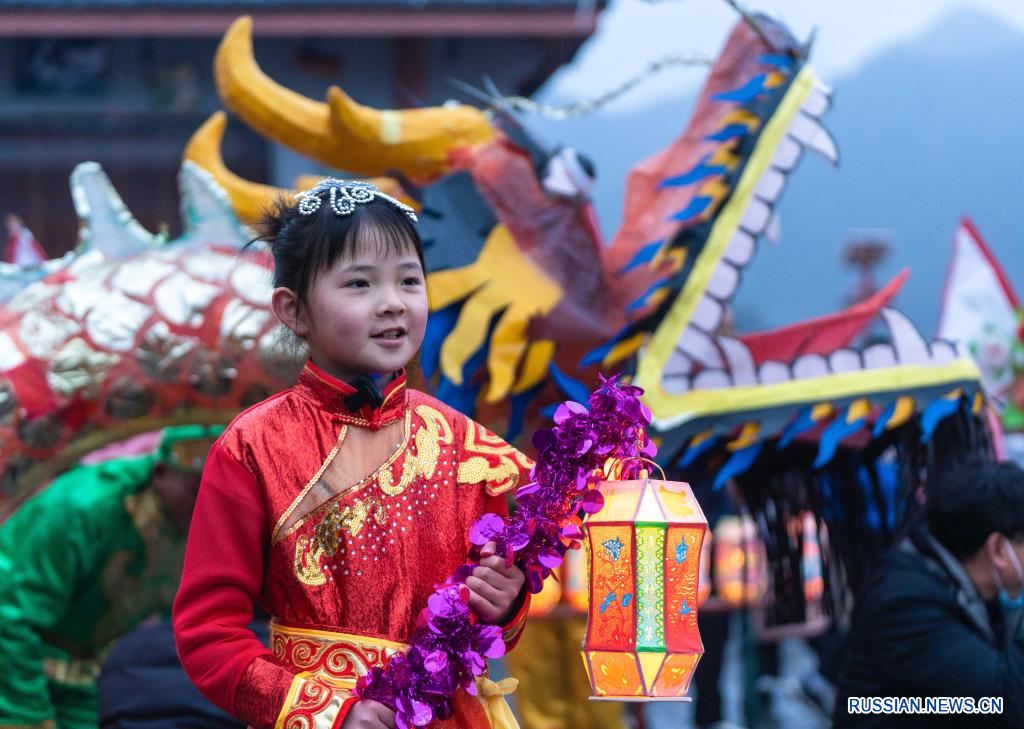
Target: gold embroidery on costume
[[307, 562], [311, 704], [499, 477], [326, 534], [429, 438], [338, 658], [352, 518]]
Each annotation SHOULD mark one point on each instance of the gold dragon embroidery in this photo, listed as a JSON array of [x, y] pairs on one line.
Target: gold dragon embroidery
[[434, 432], [480, 450]]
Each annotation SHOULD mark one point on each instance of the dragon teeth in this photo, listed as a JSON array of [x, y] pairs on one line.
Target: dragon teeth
[[812, 134], [944, 352], [844, 360], [741, 362], [817, 102], [707, 314], [770, 186], [678, 364], [740, 249], [723, 282], [907, 340], [773, 231], [879, 355], [701, 347], [809, 365], [771, 372], [676, 384], [712, 380], [755, 217], [787, 154]]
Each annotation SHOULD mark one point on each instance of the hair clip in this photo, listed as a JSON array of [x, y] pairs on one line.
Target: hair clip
[[344, 195]]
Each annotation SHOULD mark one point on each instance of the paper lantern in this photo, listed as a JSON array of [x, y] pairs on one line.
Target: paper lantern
[[643, 550], [741, 571]]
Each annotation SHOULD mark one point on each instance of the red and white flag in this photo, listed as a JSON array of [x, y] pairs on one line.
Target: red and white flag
[[979, 309]]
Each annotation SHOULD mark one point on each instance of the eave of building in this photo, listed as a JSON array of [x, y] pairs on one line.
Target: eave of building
[[547, 22]]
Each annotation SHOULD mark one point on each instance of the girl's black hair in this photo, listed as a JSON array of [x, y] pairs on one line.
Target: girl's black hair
[[304, 246]]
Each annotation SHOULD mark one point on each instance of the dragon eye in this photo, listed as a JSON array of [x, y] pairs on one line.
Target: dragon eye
[[569, 174]]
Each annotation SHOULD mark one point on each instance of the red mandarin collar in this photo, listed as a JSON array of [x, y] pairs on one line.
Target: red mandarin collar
[[330, 393]]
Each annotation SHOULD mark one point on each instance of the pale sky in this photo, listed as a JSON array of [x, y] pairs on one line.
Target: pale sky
[[633, 33]]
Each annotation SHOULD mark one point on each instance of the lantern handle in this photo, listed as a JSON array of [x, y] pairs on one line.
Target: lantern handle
[[653, 463], [613, 467]]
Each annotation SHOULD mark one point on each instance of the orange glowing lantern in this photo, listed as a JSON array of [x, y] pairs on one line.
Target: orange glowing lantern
[[643, 549], [741, 571]]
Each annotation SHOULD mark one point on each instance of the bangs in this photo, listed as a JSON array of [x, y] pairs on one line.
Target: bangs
[[375, 228], [381, 235]]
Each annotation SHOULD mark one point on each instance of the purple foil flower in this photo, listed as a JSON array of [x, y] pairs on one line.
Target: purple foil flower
[[488, 527], [436, 661]]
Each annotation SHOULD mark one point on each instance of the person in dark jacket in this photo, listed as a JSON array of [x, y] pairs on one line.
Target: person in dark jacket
[[143, 686], [941, 615]]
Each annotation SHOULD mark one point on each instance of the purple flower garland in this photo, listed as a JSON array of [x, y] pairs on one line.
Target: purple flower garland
[[449, 647]]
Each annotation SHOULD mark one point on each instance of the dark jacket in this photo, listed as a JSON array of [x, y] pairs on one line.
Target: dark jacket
[[143, 686], [921, 629]]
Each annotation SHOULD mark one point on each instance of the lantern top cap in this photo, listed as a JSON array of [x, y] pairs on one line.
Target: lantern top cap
[[649, 501]]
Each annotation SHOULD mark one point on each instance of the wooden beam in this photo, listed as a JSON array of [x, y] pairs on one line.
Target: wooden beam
[[302, 22]]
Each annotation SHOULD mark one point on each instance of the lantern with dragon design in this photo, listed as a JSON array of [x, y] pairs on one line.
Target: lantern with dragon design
[[644, 548]]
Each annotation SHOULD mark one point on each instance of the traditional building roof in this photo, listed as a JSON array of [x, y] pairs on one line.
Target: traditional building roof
[[335, 18]]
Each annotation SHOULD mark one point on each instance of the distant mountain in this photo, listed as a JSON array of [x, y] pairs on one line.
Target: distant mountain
[[928, 131]]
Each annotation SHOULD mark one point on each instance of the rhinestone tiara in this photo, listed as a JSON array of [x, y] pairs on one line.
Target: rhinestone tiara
[[344, 195]]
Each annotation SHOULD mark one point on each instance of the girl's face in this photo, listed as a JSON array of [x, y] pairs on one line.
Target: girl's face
[[366, 313]]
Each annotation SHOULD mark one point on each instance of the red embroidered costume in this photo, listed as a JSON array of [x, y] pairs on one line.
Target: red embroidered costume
[[339, 524]]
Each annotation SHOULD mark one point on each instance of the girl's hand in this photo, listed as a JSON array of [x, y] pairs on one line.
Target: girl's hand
[[369, 715], [493, 586]]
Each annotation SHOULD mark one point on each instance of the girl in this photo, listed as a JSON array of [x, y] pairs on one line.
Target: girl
[[336, 505]]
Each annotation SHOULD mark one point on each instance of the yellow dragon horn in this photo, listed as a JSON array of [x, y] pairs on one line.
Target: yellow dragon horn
[[342, 134], [269, 108], [249, 199], [415, 141]]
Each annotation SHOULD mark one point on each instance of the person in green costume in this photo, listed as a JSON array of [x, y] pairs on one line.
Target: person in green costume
[[89, 557]]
